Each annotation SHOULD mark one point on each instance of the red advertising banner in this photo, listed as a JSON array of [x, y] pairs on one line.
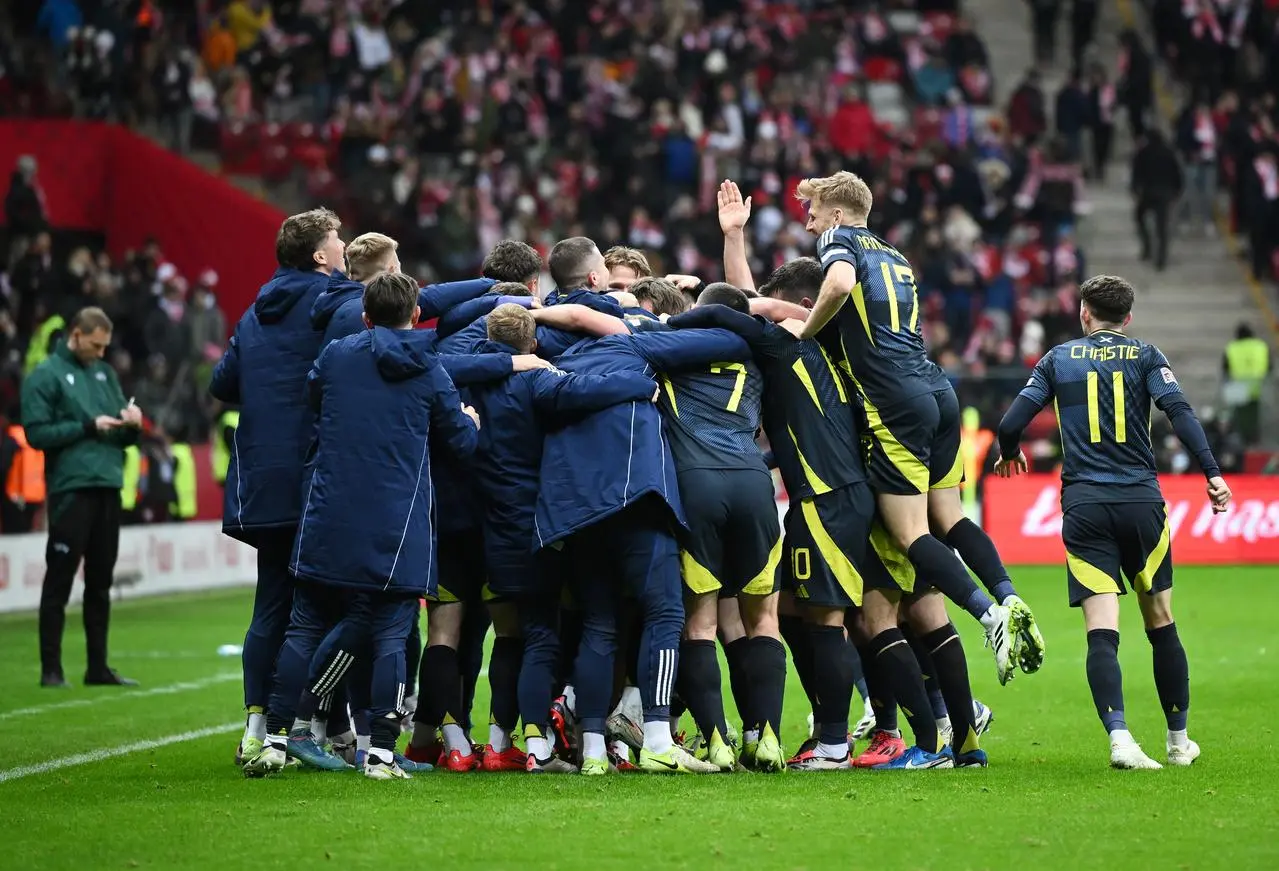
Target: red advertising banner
[[1023, 515], [105, 178]]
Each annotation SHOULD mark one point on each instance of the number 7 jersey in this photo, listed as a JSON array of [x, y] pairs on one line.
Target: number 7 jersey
[[879, 326], [1101, 387]]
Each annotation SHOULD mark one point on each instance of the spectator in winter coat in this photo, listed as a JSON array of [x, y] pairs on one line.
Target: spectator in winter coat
[[1156, 184], [381, 398], [1072, 113]]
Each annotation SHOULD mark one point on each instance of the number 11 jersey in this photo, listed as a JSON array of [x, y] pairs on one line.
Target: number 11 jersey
[[880, 326], [1101, 387]]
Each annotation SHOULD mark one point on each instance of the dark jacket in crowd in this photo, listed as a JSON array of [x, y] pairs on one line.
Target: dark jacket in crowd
[[1156, 172], [369, 518], [264, 371]]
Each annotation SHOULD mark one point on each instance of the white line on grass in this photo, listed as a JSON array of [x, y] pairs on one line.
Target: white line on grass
[[125, 695], [111, 752]]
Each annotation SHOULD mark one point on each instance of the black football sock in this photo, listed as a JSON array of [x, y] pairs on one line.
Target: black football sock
[[504, 681], [835, 657], [767, 670], [470, 657], [979, 553], [941, 568], [699, 686], [737, 655], [901, 670], [1105, 679], [439, 687], [951, 676], [859, 675], [1172, 675], [800, 642], [882, 700], [928, 670]]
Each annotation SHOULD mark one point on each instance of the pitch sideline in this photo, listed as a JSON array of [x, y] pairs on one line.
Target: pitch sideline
[[112, 752]]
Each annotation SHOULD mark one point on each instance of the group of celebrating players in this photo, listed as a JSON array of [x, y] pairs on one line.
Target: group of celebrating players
[[583, 471]]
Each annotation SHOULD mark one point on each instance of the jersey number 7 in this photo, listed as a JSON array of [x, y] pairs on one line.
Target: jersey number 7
[[735, 398], [896, 275]]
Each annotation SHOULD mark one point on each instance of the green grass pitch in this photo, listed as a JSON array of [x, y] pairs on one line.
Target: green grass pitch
[[145, 799]]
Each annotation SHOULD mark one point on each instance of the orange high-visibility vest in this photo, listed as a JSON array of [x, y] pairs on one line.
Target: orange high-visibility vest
[[26, 475]]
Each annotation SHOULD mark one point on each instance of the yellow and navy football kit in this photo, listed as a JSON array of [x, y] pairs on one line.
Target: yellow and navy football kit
[[734, 540], [810, 415], [911, 409], [1114, 517]]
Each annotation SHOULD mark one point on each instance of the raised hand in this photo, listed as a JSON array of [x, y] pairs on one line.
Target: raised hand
[[734, 212]]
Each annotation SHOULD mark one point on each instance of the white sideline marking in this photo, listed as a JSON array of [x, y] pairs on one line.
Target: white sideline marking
[[125, 695], [111, 752]]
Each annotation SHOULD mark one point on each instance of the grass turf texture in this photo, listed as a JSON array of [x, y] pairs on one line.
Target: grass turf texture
[[1048, 800]]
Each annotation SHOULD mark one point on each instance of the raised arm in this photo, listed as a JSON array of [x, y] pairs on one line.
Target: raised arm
[[734, 212]]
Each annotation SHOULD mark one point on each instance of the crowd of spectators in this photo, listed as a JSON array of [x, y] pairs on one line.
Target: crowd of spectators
[[169, 330], [1225, 56], [453, 124]]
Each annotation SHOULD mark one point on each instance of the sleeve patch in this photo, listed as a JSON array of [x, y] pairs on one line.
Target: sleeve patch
[[1169, 378]]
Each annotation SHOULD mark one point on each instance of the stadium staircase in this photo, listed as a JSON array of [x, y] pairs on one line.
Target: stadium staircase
[[1191, 309]]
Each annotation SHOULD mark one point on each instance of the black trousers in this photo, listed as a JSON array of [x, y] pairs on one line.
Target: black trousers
[[83, 524], [1156, 209]]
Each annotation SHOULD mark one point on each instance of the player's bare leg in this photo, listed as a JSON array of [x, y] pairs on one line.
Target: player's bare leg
[[906, 519], [949, 524], [767, 678], [1172, 673], [927, 615], [1101, 619]]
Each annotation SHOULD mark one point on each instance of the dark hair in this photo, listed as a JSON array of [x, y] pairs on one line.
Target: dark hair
[[390, 298], [301, 236], [512, 260], [1108, 297], [1243, 331], [90, 320], [722, 293], [510, 288], [795, 280], [568, 262]]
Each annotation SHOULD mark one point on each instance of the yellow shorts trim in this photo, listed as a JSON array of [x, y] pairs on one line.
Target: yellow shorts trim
[[1091, 577], [1146, 577], [955, 476], [697, 577], [850, 580], [896, 563], [911, 467], [442, 597], [764, 582]]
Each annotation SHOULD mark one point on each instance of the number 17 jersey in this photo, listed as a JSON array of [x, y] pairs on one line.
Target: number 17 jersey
[[879, 326]]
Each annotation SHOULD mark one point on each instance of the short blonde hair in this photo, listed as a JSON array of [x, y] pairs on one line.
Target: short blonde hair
[[844, 190], [620, 255], [368, 254], [512, 325]]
